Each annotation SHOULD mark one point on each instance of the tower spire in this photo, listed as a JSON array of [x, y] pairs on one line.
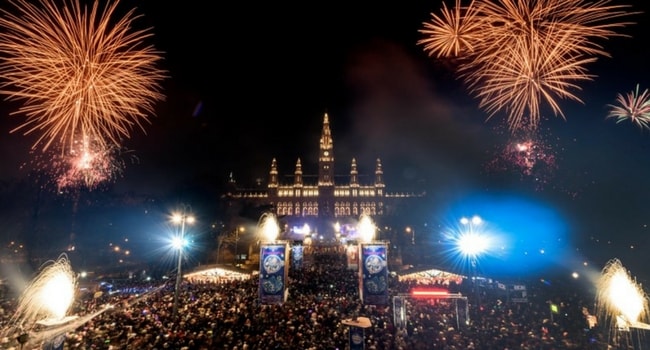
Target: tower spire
[[297, 175], [354, 174], [379, 174], [273, 174], [326, 155]]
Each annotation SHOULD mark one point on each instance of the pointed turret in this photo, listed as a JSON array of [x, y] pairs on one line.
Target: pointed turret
[[354, 174], [297, 175], [273, 174], [379, 175]]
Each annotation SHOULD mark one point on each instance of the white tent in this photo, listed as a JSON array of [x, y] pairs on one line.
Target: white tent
[[217, 274]]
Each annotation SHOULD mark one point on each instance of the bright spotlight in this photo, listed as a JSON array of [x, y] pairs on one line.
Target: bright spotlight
[[179, 243], [472, 244]]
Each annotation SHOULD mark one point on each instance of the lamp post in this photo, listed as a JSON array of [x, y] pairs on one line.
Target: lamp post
[[180, 218], [411, 231], [237, 231], [471, 244]]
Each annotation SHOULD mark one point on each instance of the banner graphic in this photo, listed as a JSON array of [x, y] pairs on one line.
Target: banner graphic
[[273, 273], [374, 273], [296, 256]]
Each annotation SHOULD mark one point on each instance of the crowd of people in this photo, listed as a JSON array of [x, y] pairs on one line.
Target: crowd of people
[[227, 314]]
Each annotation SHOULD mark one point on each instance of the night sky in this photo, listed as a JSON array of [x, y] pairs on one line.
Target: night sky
[[251, 82]]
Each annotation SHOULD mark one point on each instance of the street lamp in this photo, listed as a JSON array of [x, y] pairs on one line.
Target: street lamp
[[179, 243], [411, 231], [472, 243], [237, 231]]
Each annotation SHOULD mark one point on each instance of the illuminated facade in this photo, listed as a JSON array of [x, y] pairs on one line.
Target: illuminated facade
[[325, 202]]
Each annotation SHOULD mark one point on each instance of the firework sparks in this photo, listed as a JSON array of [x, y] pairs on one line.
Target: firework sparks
[[268, 227], [620, 298], [77, 72], [87, 164], [634, 107], [48, 296], [366, 227], [518, 56], [529, 155]]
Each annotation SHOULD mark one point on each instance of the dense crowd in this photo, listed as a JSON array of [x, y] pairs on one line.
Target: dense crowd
[[226, 314]]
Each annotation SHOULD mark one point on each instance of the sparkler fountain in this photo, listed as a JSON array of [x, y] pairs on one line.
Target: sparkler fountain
[[268, 227], [45, 302], [620, 301], [41, 317], [367, 228]]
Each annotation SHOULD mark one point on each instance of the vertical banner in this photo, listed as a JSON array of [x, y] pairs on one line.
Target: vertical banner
[[356, 338], [374, 273], [296, 256], [273, 272], [399, 312]]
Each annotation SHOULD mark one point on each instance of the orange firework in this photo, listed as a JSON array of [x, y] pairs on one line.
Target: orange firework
[[453, 33], [518, 56], [77, 72]]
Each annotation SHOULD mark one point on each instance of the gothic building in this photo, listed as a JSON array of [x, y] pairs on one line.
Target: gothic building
[[329, 206]]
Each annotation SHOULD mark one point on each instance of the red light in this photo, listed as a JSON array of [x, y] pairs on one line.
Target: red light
[[429, 293]]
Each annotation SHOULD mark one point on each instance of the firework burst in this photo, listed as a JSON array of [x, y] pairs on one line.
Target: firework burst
[[527, 154], [86, 165], [451, 34], [519, 56], [77, 72], [634, 107]]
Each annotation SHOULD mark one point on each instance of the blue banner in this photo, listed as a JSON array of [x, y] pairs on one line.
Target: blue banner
[[273, 273], [356, 338], [374, 273], [296, 256], [399, 312]]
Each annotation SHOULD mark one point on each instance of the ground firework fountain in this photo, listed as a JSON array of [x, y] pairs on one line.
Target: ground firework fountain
[[41, 318], [45, 302], [268, 227], [621, 303], [49, 295]]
